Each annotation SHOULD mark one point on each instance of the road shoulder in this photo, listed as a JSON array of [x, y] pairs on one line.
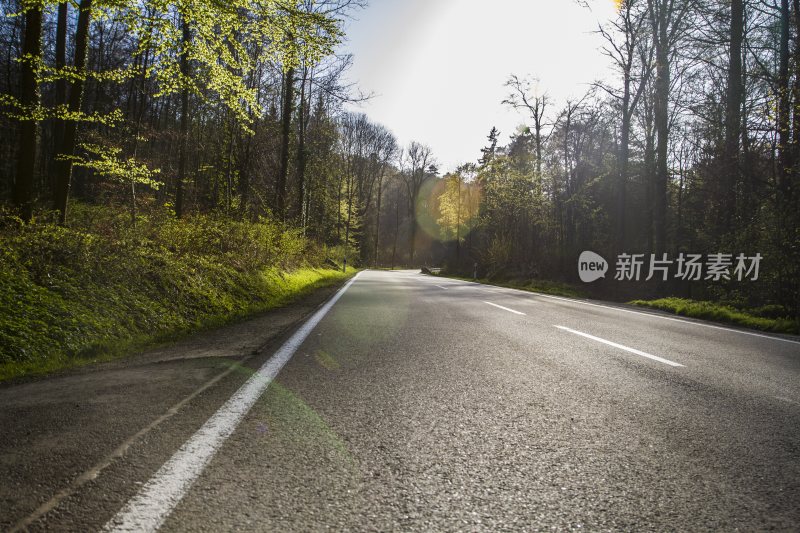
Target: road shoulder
[[62, 431]]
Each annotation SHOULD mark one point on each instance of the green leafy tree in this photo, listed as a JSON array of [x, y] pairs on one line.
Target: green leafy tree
[[458, 206]]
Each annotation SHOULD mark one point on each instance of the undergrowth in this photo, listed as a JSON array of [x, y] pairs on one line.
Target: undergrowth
[[767, 318], [101, 287]]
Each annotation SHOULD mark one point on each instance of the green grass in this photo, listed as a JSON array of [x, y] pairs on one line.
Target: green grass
[[100, 289], [279, 289], [531, 285], [754, 318]]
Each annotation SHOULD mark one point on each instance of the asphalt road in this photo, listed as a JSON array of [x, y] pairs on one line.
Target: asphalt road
[[419, 404]]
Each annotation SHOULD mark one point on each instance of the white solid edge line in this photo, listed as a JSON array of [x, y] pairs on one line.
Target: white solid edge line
[[652, 315], [151, 506], [682, 321], [504, 308], [621, 347]]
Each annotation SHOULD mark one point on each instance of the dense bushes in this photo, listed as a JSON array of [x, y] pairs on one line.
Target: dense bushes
[[102, 284]]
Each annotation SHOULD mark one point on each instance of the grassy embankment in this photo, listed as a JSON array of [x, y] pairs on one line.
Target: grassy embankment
[[767, 318], [100, 289]]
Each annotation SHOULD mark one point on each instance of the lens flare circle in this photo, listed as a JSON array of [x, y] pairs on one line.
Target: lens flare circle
[[446, 208]]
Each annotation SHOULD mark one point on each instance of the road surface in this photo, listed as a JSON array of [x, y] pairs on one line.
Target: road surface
[[418, 403]]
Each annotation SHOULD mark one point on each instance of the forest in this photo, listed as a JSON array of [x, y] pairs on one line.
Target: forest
[[170, 132]]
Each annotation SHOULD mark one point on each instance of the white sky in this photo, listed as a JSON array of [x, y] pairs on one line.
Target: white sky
[[438, 67]]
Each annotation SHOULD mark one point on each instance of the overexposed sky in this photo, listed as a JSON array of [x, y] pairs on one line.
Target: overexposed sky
[[438, 67]]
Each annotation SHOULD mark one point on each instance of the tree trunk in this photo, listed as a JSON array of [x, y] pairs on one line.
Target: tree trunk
[[733, 119], [538, 137], [796, 88], [378, 215], [286, 128], [61, 62], [784, 103], [350, 196], [244, 178], [138, 107], [67, 149], [302, 156], [661, 122], [458, 224], [396, 228], [412, 241], [624, 157], [29, 97], [339, 184], [184, 133], [650, 171], [229, 168]]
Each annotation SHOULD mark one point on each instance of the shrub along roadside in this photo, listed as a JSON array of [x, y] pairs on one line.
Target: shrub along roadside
[[763, 318], [100, 288]]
